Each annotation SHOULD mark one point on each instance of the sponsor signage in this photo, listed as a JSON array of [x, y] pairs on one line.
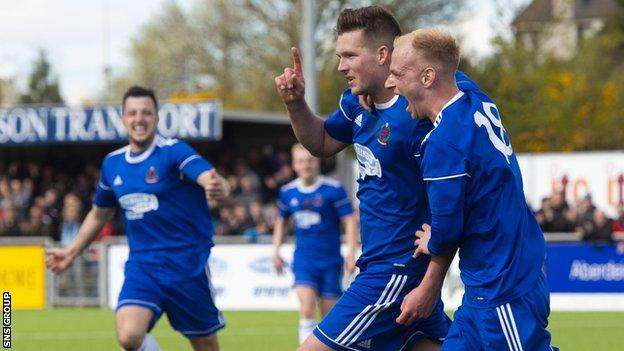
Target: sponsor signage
[[62, 124]]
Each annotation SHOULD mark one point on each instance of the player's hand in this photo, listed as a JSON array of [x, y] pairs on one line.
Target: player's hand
[[366, 101], [278, 263], [58, 259], [419, 303], [216, 188], [291, 84], [422, 241]]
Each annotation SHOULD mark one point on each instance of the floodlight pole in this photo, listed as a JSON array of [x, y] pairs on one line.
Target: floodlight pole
[[308, 51]]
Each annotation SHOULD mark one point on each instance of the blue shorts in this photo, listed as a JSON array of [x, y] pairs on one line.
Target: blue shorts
[[327, 281], [189, 303], [519, 325], [364, 317]]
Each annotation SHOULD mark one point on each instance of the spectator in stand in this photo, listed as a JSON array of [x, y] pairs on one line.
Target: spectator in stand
[[248, 191], [618, 224], [554, 215], [599, 230], [9, 225], [37, 224]]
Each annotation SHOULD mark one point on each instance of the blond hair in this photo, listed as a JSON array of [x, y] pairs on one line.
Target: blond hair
[[298, 147], [436, 46]]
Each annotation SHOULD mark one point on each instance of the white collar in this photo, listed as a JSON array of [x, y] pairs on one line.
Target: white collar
[[388, 104], [451, 101], [144, 155], [309, 188]]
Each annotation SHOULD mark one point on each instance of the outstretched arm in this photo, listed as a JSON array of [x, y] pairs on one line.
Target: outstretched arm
[[59, 259], [308, 127]]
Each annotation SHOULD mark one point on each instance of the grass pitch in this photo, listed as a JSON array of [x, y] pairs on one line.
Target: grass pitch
[[93, 330]]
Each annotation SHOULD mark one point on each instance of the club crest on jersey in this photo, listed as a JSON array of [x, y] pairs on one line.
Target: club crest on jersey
[[151, 176], [384, 135]]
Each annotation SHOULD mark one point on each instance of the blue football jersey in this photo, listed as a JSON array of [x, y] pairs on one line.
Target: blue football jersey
[[165, 211], [477, 202], [316, 212], [392, 194], [393, 203]]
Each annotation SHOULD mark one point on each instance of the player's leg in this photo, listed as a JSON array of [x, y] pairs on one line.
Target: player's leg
[[132, 323], [464, 334], [427, 345], [330, 287], [523, 321], [327, 304], [307, 297], [138, 309], [307, 282], [313, 344], [206, 343], [427, 334], [189, 304]]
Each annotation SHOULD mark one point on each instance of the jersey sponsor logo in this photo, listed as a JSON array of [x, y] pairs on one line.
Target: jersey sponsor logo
[[368, 164], [500, 141], [384, 135], [151, 176], [137, 204], [358, 120], [305, 219], [117, 181]]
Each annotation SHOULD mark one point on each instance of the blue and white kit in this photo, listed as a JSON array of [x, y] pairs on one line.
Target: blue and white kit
[[477, 204], [317, 210], [169, 233]]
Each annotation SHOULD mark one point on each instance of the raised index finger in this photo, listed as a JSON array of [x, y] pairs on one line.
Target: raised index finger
[[296, 57]]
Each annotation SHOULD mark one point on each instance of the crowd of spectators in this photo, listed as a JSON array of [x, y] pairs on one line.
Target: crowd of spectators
[[48, 199], [581, 217]]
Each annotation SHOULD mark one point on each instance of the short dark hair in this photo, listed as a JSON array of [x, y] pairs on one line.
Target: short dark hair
[[378, 24], [138, 91]]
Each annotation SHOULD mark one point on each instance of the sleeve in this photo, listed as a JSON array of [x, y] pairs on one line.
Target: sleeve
[[282, 209], [188, 161], [446, 199], [342, 203], [446, 174], [442, 161], [104, 195], [339, 125]]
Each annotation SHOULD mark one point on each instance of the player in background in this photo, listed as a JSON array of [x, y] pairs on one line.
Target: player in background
[[162, 187], [317, 205], [371, 314], [477, 202]]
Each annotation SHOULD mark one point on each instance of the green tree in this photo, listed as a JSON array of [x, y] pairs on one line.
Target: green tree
[[43, 86], [551, 104], [236, 47]]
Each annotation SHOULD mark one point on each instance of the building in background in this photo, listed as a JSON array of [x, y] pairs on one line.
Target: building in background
[[556, 27]]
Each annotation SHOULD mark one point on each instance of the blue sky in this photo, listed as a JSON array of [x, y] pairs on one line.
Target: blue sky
[[72, 32]]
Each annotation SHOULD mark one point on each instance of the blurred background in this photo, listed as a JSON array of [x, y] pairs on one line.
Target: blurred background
[[554, 67]]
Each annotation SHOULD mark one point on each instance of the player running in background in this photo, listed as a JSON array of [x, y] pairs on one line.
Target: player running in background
[[318, 205], [477, 202], [161, 186], [392, 194]]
